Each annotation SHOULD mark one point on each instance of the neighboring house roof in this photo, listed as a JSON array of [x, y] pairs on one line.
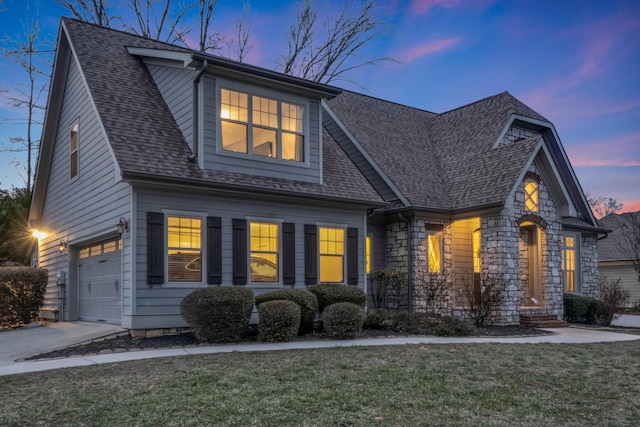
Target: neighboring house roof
[[611, 248]]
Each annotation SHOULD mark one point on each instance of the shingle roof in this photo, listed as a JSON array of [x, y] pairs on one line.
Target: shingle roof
[[611, 248], [441, 161], [145, 138]]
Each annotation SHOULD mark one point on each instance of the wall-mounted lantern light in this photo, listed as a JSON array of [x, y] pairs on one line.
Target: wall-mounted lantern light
[[62, 246], [122, 226]]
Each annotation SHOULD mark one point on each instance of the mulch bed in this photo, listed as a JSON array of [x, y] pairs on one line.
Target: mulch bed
[[124, 342]]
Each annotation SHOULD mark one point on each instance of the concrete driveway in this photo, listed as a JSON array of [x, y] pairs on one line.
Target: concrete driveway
[[25, 342], [627, 321]]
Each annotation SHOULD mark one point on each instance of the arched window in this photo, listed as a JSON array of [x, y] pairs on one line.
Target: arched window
[[531, 195]]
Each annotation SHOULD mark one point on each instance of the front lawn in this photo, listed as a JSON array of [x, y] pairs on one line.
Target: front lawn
[[471, 384]]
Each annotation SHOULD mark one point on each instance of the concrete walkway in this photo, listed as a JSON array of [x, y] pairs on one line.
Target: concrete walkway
[[561, 336], [627, 321]]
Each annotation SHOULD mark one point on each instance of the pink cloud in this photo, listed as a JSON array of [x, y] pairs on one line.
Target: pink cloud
[[621, 151], [427, 48], [423, 6]]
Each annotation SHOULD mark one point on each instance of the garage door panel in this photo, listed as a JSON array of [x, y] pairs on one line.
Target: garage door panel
[[100, 290]]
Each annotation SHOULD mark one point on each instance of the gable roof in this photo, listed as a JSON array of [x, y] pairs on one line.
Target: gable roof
[[146, 141], [611, 248]]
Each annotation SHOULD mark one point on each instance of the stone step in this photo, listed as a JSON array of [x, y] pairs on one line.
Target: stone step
[[537, 317], [546, 324]]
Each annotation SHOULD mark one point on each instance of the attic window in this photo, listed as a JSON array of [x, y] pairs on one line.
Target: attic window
[[531, 195], [261, 126], [73, 148]]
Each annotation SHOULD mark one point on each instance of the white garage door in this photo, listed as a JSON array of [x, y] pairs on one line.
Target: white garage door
[[100, 287]]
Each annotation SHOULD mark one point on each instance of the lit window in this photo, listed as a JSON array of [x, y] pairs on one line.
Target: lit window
[[331, 255], [264, 244], [184, 241], [531, 196], [261, 126], [73, 148], [367, 256], [569, 263], [435, 253], [476, 251]]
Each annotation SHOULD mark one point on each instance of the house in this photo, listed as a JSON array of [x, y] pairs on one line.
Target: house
[[163, 170], [614, 259]]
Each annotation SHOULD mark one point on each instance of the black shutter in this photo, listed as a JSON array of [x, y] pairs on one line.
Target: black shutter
[[288, 253], [239, 251], [352, 256], [310, 254], [155, 248], [214, 250]]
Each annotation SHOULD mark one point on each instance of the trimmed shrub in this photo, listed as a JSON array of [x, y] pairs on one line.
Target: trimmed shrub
[[612, 297], [306, 300], [417, 323], [22, 292], [580, 309], [218, 314], [329, 294], [343, 320], [279, 320]]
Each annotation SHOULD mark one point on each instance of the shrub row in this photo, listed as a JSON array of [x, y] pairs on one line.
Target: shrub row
[[306, 300], [22, 292], [417, 323], [580, 309]]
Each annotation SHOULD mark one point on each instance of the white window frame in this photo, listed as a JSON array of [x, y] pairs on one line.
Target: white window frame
[[368, 237], [439, 234], [537, 195], [279, 222], [75, 127], [203, 249], [577, 261], [280, 97], [344, 250]]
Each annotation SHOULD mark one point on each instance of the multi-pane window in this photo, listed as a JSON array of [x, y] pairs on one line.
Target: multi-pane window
[[184, 242], [569, 263], [435, 252], [264, 246], [476, 251], [531, 196], [331, 254], [73, 149], [367, 254], [261, 126]]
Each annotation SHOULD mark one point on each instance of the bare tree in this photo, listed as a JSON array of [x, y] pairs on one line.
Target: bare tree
[[603, 206], [325, 52], [243, 31], [157, 20], [95, 11], [29, 52], [630, 245]]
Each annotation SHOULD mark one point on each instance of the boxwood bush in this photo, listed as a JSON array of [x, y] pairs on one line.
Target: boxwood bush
[[343, 320], [306, 300], [329, 294], [22, 292], [279, 320], [580, 309], [219, 313]]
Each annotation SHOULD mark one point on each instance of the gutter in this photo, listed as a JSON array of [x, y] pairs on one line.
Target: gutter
[[193, 157]]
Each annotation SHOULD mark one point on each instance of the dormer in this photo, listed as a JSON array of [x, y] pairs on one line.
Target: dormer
[[241, 118]]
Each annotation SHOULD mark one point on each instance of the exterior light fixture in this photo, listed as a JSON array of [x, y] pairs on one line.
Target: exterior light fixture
[[38, 234], [62, 246], [122, 226]]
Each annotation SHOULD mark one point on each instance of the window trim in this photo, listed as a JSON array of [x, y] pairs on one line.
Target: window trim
[[76, 125], [527, 197], [577, 262], [280, 97], [440, 235], [344, 228], [278, 222], [203, 249], [368, 254]]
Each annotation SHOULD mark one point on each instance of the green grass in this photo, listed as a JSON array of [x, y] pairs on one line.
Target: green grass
[[458, 385]]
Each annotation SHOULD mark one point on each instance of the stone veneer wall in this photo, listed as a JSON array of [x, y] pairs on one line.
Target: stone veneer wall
[[589, 266]]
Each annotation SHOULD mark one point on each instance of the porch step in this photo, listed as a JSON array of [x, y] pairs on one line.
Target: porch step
[[542, 321]]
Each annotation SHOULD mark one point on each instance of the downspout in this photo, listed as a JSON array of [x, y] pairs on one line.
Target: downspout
[[409, 263], [193, 157]]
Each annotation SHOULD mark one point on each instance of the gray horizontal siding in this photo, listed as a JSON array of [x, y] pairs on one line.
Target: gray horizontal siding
[[176, 87], [83, 207], [627, 275], [165, 299], [251, 166]]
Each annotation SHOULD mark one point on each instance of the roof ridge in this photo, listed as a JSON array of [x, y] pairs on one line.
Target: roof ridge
[[475, 102], [422, 110]]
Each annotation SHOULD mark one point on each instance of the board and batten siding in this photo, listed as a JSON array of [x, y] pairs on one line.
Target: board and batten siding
[[176, 86], [249, 165], [159, 306], [86, 207], [624, 271]]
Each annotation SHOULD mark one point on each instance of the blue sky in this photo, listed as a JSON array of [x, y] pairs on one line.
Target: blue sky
[[576, 62]]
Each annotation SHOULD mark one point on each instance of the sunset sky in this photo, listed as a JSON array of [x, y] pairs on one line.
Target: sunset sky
[[576, 62]]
